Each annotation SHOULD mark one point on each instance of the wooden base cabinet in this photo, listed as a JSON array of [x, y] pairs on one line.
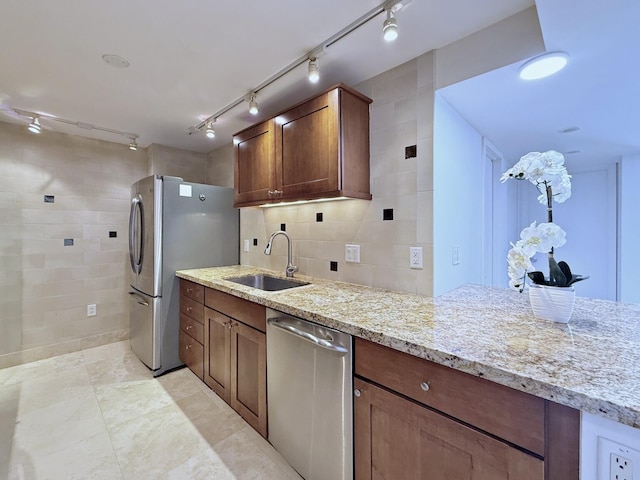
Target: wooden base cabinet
[[397, 438], [415, 419], [191, 335], [235, 355]]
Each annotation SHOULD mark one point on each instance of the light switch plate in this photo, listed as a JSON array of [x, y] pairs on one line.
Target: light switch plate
[[352, 253], [246, 245]]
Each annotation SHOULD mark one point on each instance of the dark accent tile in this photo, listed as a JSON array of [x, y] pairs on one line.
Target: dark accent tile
[[255, 242], [113, 234], [387, 214], [68, 242], [49, 198], [283, 227], [411, 151], [333, 266], [319, 217]]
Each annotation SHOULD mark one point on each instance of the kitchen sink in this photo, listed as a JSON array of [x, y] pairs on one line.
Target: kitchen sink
[[267, 282]]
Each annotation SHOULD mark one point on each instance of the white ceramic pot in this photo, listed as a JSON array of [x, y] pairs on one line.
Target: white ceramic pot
[[552, 303]]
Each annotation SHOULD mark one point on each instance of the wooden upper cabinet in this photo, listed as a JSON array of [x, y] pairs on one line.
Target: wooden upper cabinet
[[321, 150], [254, 175]]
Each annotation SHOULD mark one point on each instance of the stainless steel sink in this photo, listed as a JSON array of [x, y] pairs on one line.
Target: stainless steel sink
[[267, 282]]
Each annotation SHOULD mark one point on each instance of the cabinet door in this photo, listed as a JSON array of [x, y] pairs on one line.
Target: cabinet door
[[307, 147], [249, 375], [397, 438], [217, 352], [254, 151]]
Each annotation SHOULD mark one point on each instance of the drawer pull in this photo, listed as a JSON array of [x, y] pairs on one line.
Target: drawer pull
[[189, 327], [189, 290], [424, 386], [357, 392], [189, 309], [188, 347]]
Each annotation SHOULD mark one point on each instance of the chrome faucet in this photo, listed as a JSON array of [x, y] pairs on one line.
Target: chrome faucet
[[291, 269]]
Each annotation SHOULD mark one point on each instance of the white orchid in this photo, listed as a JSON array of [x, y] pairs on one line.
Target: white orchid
[[547, 172]]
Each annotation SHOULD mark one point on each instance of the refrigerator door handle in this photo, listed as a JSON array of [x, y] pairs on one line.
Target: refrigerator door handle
[[136, 234], [139, 299]]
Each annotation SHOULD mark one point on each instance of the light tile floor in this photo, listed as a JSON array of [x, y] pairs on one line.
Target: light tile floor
[[99, 414]]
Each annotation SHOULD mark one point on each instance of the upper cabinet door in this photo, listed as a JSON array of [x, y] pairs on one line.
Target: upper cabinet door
[[254, 163], [307, 144]]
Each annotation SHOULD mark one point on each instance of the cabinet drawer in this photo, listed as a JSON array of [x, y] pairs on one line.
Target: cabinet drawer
[[192, 328], [507, 413], [192, 354], [245, 311], [192, 308], [192, 290]]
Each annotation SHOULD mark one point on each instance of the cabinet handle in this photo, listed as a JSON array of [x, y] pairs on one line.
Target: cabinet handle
[[424, 386], [357, 392], [189, 327], [189, 290], [271, 193], [188, 347], [189, 309], [277, 192]]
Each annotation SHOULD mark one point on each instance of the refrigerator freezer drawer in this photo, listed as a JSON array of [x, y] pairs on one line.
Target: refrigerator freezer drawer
[[144, 329]]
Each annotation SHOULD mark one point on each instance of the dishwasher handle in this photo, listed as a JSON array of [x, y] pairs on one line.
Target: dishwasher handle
[[304, 330]]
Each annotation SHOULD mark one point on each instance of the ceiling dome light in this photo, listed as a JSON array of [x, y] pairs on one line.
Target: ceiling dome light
[[314, 73], [390, 27], [253, 105], [543, 65], [133, 145], [34, 126]]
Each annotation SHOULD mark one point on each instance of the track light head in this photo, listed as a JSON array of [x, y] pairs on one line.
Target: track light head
[[314, 73], [253, 105], [390, 27], [210, 132], [34, 126], [133, 145]]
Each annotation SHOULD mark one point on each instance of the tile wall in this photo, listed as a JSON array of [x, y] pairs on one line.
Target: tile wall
[[45, 286], [401, 116]]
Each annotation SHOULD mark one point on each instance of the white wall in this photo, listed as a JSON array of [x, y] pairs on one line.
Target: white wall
[[629, 259], [457, 199]]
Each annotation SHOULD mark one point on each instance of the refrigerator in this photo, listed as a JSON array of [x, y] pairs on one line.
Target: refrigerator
[[173, 225]]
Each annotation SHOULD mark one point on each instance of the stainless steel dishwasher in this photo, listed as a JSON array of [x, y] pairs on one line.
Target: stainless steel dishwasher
[[309, 396]]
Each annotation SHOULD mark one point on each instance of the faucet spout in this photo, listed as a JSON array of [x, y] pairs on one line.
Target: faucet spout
[[291, 269]]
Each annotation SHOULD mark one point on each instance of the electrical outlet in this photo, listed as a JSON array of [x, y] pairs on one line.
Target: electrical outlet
[[91, 310], [415, 257], [621, 468], [616, 460]]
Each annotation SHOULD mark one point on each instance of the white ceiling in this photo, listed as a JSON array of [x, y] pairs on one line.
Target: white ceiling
[[191, 58], [597, 91]]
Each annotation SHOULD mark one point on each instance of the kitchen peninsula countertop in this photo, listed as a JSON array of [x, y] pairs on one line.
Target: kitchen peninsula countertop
[[591, 364]]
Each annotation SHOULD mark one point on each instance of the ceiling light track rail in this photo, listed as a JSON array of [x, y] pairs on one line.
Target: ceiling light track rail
[[392, 6], [35, 118]]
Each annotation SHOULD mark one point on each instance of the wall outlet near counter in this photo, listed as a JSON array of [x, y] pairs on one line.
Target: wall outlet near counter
[[621, 468], [615, 460], [415, 257], [91, 310], [352, 253], [246, 245]]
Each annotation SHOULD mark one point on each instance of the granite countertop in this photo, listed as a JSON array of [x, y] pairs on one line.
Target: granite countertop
[[590, 364]]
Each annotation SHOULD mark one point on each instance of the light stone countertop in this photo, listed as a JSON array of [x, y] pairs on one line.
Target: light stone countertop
[[592, 363]]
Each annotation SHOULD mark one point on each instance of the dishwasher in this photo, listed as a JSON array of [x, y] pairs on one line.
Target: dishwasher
[[309, 396]]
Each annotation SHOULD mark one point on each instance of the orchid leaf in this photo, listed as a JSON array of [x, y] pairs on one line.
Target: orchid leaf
[[556, 276]]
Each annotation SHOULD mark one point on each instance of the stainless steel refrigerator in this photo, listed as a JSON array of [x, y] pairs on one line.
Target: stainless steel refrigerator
[[173, 225]]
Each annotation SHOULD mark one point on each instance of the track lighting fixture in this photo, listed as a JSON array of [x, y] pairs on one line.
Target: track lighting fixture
[[133, 145], [390, 33], [210, 132], [390, 27], [314, 73], [253, 105], [34, 126]]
